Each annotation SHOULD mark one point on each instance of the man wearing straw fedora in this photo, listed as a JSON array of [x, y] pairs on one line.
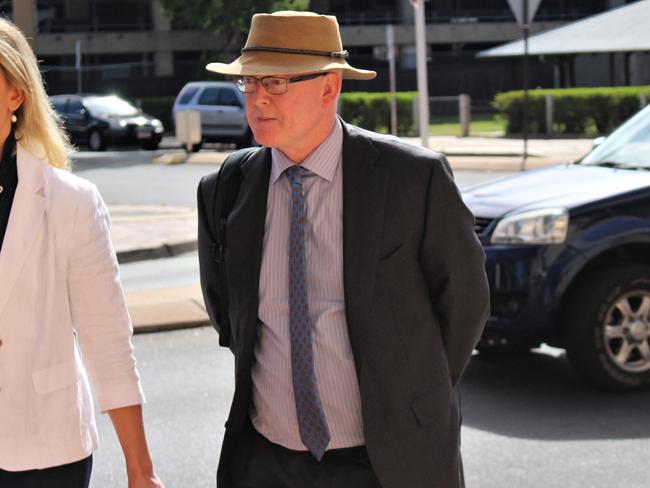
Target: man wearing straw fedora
[[342, 270]]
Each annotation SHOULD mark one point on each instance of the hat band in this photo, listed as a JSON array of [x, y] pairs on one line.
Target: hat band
[[328, 54]]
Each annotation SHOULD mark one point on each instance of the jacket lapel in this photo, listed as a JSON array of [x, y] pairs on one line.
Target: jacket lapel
[[25, 219], [364, 196]]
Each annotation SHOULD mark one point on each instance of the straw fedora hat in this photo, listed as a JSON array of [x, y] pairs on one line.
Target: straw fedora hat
[[286, 43]]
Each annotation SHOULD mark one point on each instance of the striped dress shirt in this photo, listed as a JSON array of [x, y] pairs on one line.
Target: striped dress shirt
[[273, 411]]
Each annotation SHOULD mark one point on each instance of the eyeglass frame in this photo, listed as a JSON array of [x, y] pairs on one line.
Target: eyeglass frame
[[295, 79]]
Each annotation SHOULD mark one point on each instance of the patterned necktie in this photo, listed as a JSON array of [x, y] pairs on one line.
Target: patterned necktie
[[312, 423]]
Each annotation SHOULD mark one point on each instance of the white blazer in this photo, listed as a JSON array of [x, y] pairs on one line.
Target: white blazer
[[62, 318]]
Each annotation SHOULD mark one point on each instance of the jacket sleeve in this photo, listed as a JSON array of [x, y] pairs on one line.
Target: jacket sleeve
[[208, 268], [98, 308], [454, 266]]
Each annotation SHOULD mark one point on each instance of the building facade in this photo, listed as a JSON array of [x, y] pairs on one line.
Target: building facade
[[131, 47]]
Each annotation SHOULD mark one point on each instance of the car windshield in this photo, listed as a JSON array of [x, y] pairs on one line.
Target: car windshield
[[628, 146], [110, 106]]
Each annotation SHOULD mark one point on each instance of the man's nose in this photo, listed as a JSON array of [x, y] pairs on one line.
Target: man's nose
[[260, 96]]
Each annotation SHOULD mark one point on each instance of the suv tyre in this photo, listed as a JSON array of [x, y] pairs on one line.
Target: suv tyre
[[96, 141], [607, 327]]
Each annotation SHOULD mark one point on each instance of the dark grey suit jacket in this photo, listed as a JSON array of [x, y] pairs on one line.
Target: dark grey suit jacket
[[416, 300]]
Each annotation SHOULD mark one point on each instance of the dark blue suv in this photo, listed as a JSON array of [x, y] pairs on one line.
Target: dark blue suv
[[568, 258]]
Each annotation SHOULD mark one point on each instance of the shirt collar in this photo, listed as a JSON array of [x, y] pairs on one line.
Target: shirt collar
[[323, 161]]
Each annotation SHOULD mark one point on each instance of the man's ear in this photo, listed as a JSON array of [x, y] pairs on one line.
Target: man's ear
[[331, 88]]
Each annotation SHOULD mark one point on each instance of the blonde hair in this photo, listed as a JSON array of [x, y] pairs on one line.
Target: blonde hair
[[38, 128]]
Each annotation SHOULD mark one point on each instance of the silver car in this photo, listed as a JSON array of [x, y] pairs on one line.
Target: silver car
[[222, 108]]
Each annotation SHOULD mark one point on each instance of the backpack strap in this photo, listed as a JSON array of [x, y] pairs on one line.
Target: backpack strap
[[218, 192], [224, 197]]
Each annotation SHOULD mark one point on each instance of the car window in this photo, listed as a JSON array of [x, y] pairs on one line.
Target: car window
[[110, 105], [74, 106], [58, 104], [209, 96], [228, 97], [187, 95], [629, 145]]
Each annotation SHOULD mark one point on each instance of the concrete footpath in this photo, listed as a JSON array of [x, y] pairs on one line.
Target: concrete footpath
[[151, 232]]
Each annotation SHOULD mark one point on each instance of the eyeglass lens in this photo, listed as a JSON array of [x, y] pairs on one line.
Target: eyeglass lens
[[275, 86]]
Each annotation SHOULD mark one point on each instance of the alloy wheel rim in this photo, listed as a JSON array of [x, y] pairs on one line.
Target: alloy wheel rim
[[626, 331]]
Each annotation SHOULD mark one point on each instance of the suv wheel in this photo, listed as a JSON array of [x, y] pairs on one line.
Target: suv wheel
[[607, 327], [96, 141]]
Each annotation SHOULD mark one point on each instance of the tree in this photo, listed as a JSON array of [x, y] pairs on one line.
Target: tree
[[230, 19]]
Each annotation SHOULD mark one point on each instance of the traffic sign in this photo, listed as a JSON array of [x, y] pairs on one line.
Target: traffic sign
[[517, 7]]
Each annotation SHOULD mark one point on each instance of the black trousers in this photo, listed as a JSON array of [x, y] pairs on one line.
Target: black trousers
[[258, 463], [73, 475]]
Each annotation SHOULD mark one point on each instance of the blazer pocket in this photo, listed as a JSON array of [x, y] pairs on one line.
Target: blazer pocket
[[56, 377], [433, 405], [57, 414], [395, 255]]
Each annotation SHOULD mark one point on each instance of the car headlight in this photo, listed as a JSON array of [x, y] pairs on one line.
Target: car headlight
[[157, 124], [544, 226]]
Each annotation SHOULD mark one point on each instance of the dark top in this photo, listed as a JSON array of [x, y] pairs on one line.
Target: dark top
[[8, 182]]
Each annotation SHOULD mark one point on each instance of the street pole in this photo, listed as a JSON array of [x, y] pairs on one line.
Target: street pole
[[390, 44], [421, 57], [526, 28], [77, 64]]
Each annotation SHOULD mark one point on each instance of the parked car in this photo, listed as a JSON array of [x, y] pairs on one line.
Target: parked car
[[568, 258], [100, 121], [223, 111]]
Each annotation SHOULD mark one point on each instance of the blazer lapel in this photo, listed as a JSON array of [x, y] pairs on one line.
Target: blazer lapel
[[364, 197], [27, 212], [245, 228]]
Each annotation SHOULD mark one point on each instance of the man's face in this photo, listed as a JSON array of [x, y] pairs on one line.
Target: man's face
[[295, 121]]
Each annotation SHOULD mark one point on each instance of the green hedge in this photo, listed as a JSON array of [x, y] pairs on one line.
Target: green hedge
[[161, 108], [371, 110], [576, 110]]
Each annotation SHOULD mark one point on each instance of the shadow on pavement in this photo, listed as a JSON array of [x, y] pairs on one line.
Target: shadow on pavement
[[539, 396]]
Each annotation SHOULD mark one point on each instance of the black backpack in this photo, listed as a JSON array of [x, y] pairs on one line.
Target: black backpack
[[220, 192]]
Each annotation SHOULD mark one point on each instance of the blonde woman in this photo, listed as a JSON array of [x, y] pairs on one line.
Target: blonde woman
[[63, 319]]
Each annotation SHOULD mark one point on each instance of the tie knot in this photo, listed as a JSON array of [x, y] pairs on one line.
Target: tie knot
[[295, 173]]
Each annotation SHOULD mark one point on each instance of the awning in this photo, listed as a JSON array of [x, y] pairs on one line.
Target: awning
[[623, 29]]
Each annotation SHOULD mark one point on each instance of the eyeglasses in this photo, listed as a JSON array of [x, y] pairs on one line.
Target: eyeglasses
[[272, 84]]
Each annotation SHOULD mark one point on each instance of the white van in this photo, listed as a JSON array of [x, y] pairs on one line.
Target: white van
[[223, 111]]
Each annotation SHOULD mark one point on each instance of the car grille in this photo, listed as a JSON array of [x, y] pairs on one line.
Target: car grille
[[480, 224]]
